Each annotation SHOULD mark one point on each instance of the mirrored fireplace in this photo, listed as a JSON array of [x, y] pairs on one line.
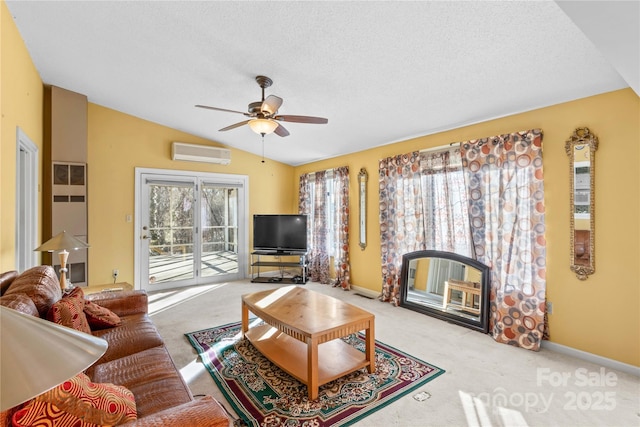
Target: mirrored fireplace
[[448, 286]]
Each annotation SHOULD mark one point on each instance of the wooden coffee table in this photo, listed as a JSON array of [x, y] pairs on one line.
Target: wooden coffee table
[[302, 334]]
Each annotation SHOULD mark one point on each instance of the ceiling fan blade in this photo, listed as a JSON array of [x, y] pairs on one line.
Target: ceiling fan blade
[[221, 109], [281, 131], [302, 119], [271, 104], [236, 125]]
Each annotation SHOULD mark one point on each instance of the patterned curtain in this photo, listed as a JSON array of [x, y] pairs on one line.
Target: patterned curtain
[[401, 217], [319, 254], [341, 257], [445, 202], [506, 204], [324, 198], [304, 202]]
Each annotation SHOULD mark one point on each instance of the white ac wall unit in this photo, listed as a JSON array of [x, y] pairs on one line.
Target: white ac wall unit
[[200, 153]]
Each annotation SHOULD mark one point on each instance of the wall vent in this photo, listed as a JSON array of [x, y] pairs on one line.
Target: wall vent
[[200, 153]]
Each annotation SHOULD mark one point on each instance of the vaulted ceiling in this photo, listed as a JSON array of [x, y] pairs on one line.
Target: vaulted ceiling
[[380, 72]]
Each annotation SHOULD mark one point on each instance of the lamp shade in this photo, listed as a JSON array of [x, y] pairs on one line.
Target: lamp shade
[[37, 355], [60, 241], [263, 126]]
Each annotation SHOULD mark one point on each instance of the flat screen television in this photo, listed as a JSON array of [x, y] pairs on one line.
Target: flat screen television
[[280, 233]]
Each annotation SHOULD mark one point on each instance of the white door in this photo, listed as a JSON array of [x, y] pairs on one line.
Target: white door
[[190, 229], [26, 202]]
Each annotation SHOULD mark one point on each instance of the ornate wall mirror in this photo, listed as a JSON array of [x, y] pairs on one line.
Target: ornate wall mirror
[[581, 148], [447, 286], [362, 203]]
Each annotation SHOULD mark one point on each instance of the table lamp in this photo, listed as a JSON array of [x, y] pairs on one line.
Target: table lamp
[[62, 242], [37, 355]]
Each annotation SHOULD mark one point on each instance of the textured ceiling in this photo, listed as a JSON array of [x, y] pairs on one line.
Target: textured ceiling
[[381, 72]]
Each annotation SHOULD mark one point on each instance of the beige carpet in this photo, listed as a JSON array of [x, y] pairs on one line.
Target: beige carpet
[[485, 384]]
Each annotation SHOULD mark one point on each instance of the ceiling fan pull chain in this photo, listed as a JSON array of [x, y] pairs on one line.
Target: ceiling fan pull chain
[[263, 148]]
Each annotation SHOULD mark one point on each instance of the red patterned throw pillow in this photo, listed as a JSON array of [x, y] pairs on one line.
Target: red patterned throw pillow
[[100, 317], [78, 402], [69, 311]]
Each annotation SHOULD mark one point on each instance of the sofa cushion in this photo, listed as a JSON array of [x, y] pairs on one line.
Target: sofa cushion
[[6, 278], [100, 317], [21, 303], [198, 413], [122, 303], [151, 376], [69, 311], [40, 284], [136, 333], [78, 401]]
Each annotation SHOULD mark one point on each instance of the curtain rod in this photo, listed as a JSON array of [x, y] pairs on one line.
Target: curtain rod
[[441, 147]]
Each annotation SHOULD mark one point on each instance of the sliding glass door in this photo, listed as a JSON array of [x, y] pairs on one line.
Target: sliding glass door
[[190, 229], [169, 231], [219, 221]]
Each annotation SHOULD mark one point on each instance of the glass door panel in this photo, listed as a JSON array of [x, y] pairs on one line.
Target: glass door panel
[[219, 222], [170, 233]]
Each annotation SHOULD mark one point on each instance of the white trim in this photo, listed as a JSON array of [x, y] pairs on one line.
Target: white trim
[[243, 215], [27, 185], [592, 358], [366, 292]]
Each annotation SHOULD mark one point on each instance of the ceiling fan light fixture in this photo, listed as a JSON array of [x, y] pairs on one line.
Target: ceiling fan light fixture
[[263, 126]]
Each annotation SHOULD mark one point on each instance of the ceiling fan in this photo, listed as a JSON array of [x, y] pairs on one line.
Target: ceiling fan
[[264, 115]]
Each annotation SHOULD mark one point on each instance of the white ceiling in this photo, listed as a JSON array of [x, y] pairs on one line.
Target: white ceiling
[[381, 72]]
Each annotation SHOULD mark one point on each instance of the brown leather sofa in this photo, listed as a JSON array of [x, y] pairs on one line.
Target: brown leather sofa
[[136, 357]]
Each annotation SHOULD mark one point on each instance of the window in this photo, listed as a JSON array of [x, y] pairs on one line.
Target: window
[[324, 198], [423, 205], [444, 197]]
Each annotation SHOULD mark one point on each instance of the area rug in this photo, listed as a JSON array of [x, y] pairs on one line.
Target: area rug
[[264, 395]]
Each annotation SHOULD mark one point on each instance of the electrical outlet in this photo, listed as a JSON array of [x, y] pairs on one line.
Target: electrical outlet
[[422, 396], [549, 307], [115, 273]]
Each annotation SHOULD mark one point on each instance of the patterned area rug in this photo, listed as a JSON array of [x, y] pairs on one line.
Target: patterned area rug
[[264, 395]]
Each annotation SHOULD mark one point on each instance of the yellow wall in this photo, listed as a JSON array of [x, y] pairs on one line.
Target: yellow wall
[[473, 275], [21, 102], [422, 274], [601, 314], [117, 144]]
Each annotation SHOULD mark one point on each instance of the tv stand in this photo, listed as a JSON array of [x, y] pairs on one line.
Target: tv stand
[[273, 259]]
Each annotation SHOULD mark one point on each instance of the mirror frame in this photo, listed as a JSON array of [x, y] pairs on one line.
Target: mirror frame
[[483, 324], [582, 136], [363, 177]]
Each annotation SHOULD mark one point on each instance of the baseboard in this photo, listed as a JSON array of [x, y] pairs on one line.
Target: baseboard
[[558, 348], [592, 358], [365, 292]]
